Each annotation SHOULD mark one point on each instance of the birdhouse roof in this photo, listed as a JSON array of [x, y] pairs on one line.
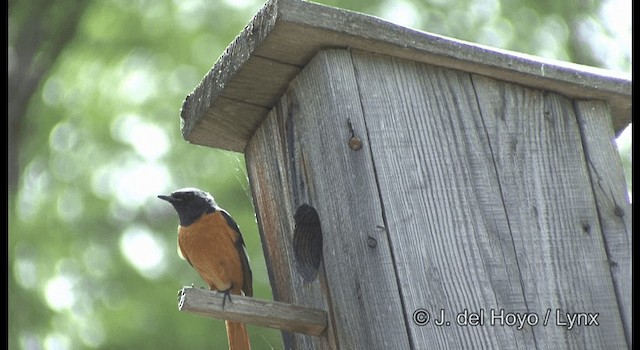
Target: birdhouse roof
[[254, 71]]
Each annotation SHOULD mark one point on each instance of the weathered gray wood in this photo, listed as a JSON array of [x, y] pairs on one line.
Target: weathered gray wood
[[305, 155], [610, 189], [260, 312], [286, 34], [279, 185], [259, 77], [365, 307], [551, 209], [441, 201], [230, 123], [486, 194]]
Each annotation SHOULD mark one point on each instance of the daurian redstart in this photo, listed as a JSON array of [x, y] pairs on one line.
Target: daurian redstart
[[211, 242]]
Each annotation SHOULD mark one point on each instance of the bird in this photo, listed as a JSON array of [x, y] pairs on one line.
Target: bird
[[210, 240]]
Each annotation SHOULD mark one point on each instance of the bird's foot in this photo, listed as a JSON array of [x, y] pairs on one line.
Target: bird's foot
[[227, 295]]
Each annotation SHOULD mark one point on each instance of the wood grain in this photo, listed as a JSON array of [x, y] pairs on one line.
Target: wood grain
[[611, 197], [301, 154], [264, 313], [487, 199], [361, 279], [284, 35], [230, 123], [552, 211], [274, 163], [441, 201]]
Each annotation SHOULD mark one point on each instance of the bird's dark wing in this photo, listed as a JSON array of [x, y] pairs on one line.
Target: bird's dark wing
[[247, 288]]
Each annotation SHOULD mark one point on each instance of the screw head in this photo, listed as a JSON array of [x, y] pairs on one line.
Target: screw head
[[355, 143]]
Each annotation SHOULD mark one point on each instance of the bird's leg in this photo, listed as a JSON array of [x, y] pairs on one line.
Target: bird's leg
[[227, 295]]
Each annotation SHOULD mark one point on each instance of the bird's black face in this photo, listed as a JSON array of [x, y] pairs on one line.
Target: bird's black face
[[191, 204]]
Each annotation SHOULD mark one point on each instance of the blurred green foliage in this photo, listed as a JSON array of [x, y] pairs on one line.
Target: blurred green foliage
[[92, 260]]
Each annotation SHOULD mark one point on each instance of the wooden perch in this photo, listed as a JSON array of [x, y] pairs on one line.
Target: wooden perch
[[260, 312]]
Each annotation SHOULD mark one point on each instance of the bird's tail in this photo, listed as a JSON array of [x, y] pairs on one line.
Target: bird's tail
[[237, 336]]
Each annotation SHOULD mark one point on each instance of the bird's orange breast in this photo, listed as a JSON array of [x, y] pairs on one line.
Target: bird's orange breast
[[210, 245]]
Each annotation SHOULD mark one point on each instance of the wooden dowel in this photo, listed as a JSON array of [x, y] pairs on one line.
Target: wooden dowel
[[260, 312]]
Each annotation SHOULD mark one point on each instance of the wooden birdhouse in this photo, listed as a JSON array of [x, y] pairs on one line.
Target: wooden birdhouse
[[416, 191]]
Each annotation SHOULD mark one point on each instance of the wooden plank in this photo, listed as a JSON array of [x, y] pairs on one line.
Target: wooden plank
[[273, 159], [273, 40], [551, 209], [441, 199], [308, 127], [249, 84], [610, 189], [366, 309], [203, 102], [491, 209], [230, 124], [324, 27], [260, 312]]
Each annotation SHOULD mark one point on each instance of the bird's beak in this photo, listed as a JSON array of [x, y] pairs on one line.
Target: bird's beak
[[167, 198]]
